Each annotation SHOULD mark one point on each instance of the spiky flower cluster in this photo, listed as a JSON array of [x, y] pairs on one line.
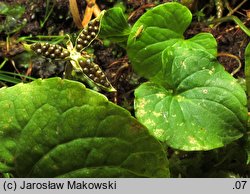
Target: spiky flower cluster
[[80, 60]]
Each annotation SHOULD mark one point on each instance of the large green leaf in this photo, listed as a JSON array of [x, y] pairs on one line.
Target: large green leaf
[[114, 26], [247, 75], [158, 29], [247, 71], [200, 107], [247, 148], [58, 128]]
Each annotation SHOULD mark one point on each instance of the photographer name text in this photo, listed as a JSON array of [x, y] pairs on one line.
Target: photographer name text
[[69, 185]]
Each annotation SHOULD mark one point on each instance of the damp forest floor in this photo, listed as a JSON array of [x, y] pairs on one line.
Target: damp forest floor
[[33, 18]]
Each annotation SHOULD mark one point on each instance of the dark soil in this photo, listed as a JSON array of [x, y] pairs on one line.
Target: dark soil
[[113, 59]]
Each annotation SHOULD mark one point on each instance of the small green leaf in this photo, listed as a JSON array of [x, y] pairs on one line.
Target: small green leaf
[[58, 128], [114, 26], [158, 29], [200, 107]]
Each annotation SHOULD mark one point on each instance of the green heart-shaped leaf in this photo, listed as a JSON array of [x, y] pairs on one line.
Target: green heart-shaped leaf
[[114, 26], [158, 29], [58, 128], [200, 107]]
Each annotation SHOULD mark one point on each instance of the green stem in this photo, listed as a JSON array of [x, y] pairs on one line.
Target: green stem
[[3, 63], [232, 18], [55, 39], [16, 74], [47, 13]]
